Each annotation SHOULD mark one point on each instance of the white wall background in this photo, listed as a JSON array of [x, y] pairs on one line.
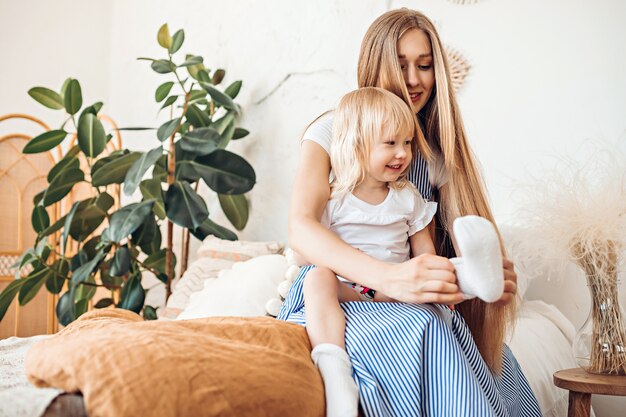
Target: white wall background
[[547, 77]]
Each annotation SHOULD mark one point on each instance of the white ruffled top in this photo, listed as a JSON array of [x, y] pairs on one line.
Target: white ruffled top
[[380, 230]]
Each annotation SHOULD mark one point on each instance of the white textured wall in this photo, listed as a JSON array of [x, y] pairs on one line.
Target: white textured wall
[[547, 76]]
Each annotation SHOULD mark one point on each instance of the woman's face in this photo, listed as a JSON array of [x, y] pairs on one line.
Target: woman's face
[[416, 61]]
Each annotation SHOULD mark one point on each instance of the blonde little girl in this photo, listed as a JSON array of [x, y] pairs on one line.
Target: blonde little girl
[[374, 208]]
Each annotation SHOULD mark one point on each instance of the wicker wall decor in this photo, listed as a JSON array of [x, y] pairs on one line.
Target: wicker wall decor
[[21, 178], [459, 68], [465, 1]]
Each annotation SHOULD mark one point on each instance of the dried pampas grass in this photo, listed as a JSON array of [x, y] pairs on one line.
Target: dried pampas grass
[[577, 212]]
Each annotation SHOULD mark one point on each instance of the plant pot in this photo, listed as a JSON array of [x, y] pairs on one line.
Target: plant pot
[[600, 344]]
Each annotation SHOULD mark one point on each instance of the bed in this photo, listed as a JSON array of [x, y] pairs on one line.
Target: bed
[[541, 341]]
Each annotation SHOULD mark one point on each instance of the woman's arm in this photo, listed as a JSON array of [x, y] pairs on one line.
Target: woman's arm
[[418, 280]]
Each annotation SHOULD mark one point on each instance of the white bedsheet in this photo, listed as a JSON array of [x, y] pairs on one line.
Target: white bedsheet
[[18, 398]]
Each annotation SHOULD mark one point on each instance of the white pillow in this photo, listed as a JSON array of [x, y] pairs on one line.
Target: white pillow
[[542, 344], [242, 290]]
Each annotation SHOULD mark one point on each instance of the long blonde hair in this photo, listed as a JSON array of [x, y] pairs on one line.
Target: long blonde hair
[[361, 117], [465, 191]]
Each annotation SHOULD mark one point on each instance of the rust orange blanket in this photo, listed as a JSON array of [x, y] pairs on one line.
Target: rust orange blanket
[[232, 366]]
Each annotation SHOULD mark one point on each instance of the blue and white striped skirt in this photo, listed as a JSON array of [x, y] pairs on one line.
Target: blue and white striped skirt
[[421, 360]]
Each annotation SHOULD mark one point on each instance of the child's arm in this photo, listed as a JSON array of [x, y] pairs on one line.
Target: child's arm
[[421, 242]]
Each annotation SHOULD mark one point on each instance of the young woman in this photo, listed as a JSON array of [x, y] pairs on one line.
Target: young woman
[[419, 357]]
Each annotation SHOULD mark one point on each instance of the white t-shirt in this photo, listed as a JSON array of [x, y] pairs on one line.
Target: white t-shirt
[[321, 132], [382, 230]]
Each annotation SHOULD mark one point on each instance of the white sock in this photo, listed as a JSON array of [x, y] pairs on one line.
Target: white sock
[[342, 394]]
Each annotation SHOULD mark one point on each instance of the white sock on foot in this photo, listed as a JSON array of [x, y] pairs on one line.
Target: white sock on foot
[[342, 394]]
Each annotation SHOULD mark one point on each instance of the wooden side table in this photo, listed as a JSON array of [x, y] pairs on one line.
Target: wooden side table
[[582, 384]]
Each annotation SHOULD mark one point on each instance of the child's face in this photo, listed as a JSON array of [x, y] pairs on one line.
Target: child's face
[[390, 156]]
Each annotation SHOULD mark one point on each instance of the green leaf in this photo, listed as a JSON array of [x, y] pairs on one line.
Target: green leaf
[[223, 171], [47, 97], [149, 313], [91, 136], [53, 228], [34, 282], [163, 66], [81, 258], [104, 303], [127, 219], [184, 206], [45, 141], [90, 215], [170, 100], [85, 292], [160, 168], [224, 123], [66, 308], [193, 69], [114, 172], [56, 280], [177, 41], [240, 133], [151, 190], [167, 129], [203, 75], [227, 136], [26, 258], [219, 97], [85, 270], [218, 76], [109, 281], [9, 293], [93, 109], [148, 236], [192, 60], [133, 295], [66, 226], [235, 208], [157, 260], [196, 117], [70, 160], [105, 160], [208, 227], [73, 97], [201, 141], [61, 185], [163, 37], [63, 90], [40, 219], [162, 91], [134, 128], [121, 262], [233, 90], [39, 196], [139, 168]]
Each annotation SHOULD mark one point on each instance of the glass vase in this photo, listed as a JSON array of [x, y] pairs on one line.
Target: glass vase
[[600, 344]]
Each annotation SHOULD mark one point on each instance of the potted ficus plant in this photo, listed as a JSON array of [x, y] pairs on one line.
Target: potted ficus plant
[[190, 148]]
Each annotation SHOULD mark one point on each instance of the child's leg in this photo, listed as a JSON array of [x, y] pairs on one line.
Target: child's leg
[[326, 326], [325, 322]]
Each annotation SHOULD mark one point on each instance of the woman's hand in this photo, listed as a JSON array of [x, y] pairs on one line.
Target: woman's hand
[[424, 279], [510, 284]]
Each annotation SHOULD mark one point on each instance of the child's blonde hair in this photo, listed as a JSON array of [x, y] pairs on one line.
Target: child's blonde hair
[[362, 117]]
